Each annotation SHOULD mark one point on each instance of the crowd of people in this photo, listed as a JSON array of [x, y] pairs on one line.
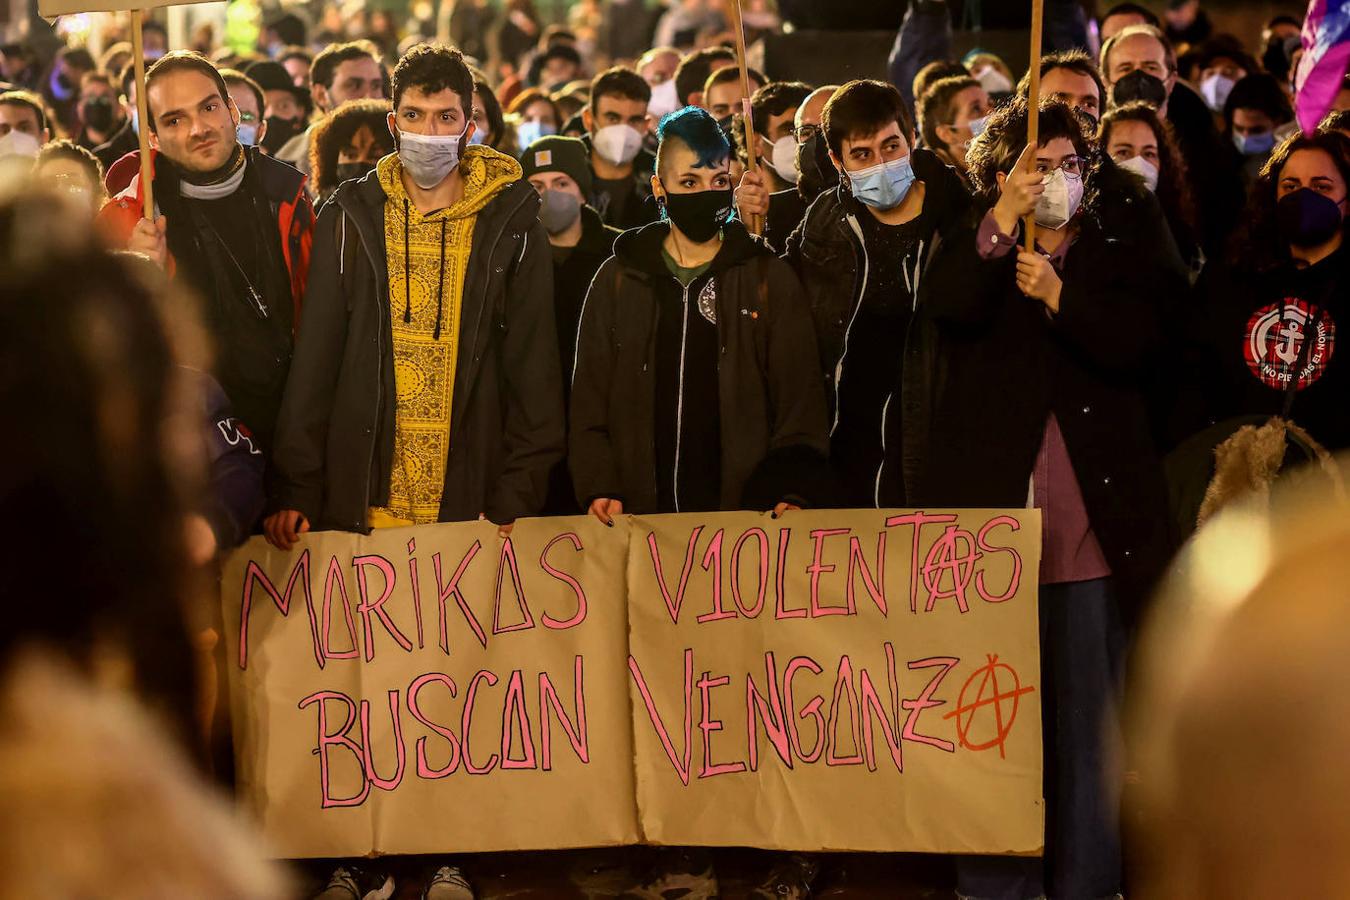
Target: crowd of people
[[553, 270]]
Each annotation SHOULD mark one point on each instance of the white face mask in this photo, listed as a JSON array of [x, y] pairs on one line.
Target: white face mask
[[784, 159], [1060, 200], [429, 158], [617, 144], [19, 143], [664, 100], [993, 81], [1215, 89], [1144, 169]]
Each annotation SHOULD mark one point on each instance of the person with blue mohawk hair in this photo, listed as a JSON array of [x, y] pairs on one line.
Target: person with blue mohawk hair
[[697, 385]]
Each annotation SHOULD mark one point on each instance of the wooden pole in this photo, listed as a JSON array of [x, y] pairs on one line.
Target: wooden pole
[[751, 139], [1033, 111], [138, 57]]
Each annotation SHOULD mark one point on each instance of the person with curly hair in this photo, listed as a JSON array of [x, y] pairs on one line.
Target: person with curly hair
[[1044, 402], [349, 143]]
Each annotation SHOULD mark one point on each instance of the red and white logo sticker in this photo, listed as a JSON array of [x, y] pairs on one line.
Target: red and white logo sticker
[[1274, 344]]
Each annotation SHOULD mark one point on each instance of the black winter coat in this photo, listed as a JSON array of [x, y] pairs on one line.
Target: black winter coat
[[770, 400], [828, 255], [335, 440], [1011, 364]]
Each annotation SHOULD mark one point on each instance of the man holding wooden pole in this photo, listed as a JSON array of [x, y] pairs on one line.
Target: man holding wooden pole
[[234, 224]]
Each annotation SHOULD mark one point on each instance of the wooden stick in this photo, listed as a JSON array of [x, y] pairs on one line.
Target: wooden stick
[[1033, 111], [138, 56], [754, 223]]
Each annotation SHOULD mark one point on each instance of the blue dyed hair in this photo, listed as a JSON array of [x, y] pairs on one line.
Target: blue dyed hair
[[697, 130]]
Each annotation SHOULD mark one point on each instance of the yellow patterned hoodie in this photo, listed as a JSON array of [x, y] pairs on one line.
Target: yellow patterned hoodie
[[428, 255]]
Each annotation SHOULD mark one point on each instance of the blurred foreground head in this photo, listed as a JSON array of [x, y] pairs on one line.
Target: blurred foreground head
[[1242, 717], [99, 456]]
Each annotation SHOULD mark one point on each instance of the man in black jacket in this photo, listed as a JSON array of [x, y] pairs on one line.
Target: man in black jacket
[[617, 124], [862, 253], [424, 391], [694, 387], [557, 168]]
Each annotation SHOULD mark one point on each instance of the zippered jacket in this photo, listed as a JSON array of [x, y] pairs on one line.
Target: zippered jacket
[[770, 402], [829, 255], [335, 436]]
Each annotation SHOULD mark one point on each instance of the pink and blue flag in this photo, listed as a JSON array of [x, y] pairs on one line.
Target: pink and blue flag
[[1326, 54]]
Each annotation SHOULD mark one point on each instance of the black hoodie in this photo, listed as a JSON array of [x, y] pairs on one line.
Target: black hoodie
[[662, 369]]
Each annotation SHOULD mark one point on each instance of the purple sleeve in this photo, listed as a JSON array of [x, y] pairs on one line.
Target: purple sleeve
[[990, 240]]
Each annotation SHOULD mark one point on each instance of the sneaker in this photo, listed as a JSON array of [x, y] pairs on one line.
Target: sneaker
[[448, 883], [353, 883], [790, 877]]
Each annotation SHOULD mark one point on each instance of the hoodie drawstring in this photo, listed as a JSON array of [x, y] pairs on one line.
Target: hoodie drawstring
[[440, 286], [407, 277], [407, 270]]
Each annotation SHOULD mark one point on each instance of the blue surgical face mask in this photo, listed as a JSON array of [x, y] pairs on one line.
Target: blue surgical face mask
[[247, 133], [479, 136], [977, 126], [136, 121], [1254, 144], [883, 186]]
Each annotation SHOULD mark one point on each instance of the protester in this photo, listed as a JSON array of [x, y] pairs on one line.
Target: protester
[[690, 392], [535, 115], [951, 113], [1122, 15], [1048, 350], [235, 226], [97, 683], [773, 112], [1221, 64], [358, 448], [722, 93], [1187, 23], [1071, 77], [991, 72], [863, 253], [559, 169], [1140, 64], [694, 70], [23, 125], [1272, 314], [931, 74], [1253, 113], [349, 143], [1135, 139], [99, 112], [616, 123], [61, 90], [560, 64], [297, 62], [285, 106], [247, 96], [340, 73], [75, 172], [123, 140]]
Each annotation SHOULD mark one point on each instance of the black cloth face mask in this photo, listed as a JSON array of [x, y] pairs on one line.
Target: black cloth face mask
[[1308, 219], [700, 215], [97, 113], [818, 174], [349, 170], [1139, 85], [279, 131]]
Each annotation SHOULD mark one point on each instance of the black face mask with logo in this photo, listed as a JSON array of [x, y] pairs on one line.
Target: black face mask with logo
[[700, 215], [1139, 85], [279, 131]]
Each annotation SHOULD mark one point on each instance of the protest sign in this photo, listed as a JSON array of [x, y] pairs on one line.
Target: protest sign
[[829, 680]]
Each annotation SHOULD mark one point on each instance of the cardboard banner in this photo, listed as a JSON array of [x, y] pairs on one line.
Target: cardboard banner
[[830, 680], [50, 9]]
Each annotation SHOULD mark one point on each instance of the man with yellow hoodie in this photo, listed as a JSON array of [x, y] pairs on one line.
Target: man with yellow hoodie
[[425, 385]]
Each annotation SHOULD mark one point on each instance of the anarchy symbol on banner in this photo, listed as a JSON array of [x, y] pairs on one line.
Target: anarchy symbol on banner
[[989, 693]]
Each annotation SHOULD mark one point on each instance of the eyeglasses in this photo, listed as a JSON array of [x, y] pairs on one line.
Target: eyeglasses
[[805, 133], [1072, 166]]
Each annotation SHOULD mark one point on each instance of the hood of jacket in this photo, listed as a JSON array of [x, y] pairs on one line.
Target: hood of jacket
[[486, 173], [640, 248]]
